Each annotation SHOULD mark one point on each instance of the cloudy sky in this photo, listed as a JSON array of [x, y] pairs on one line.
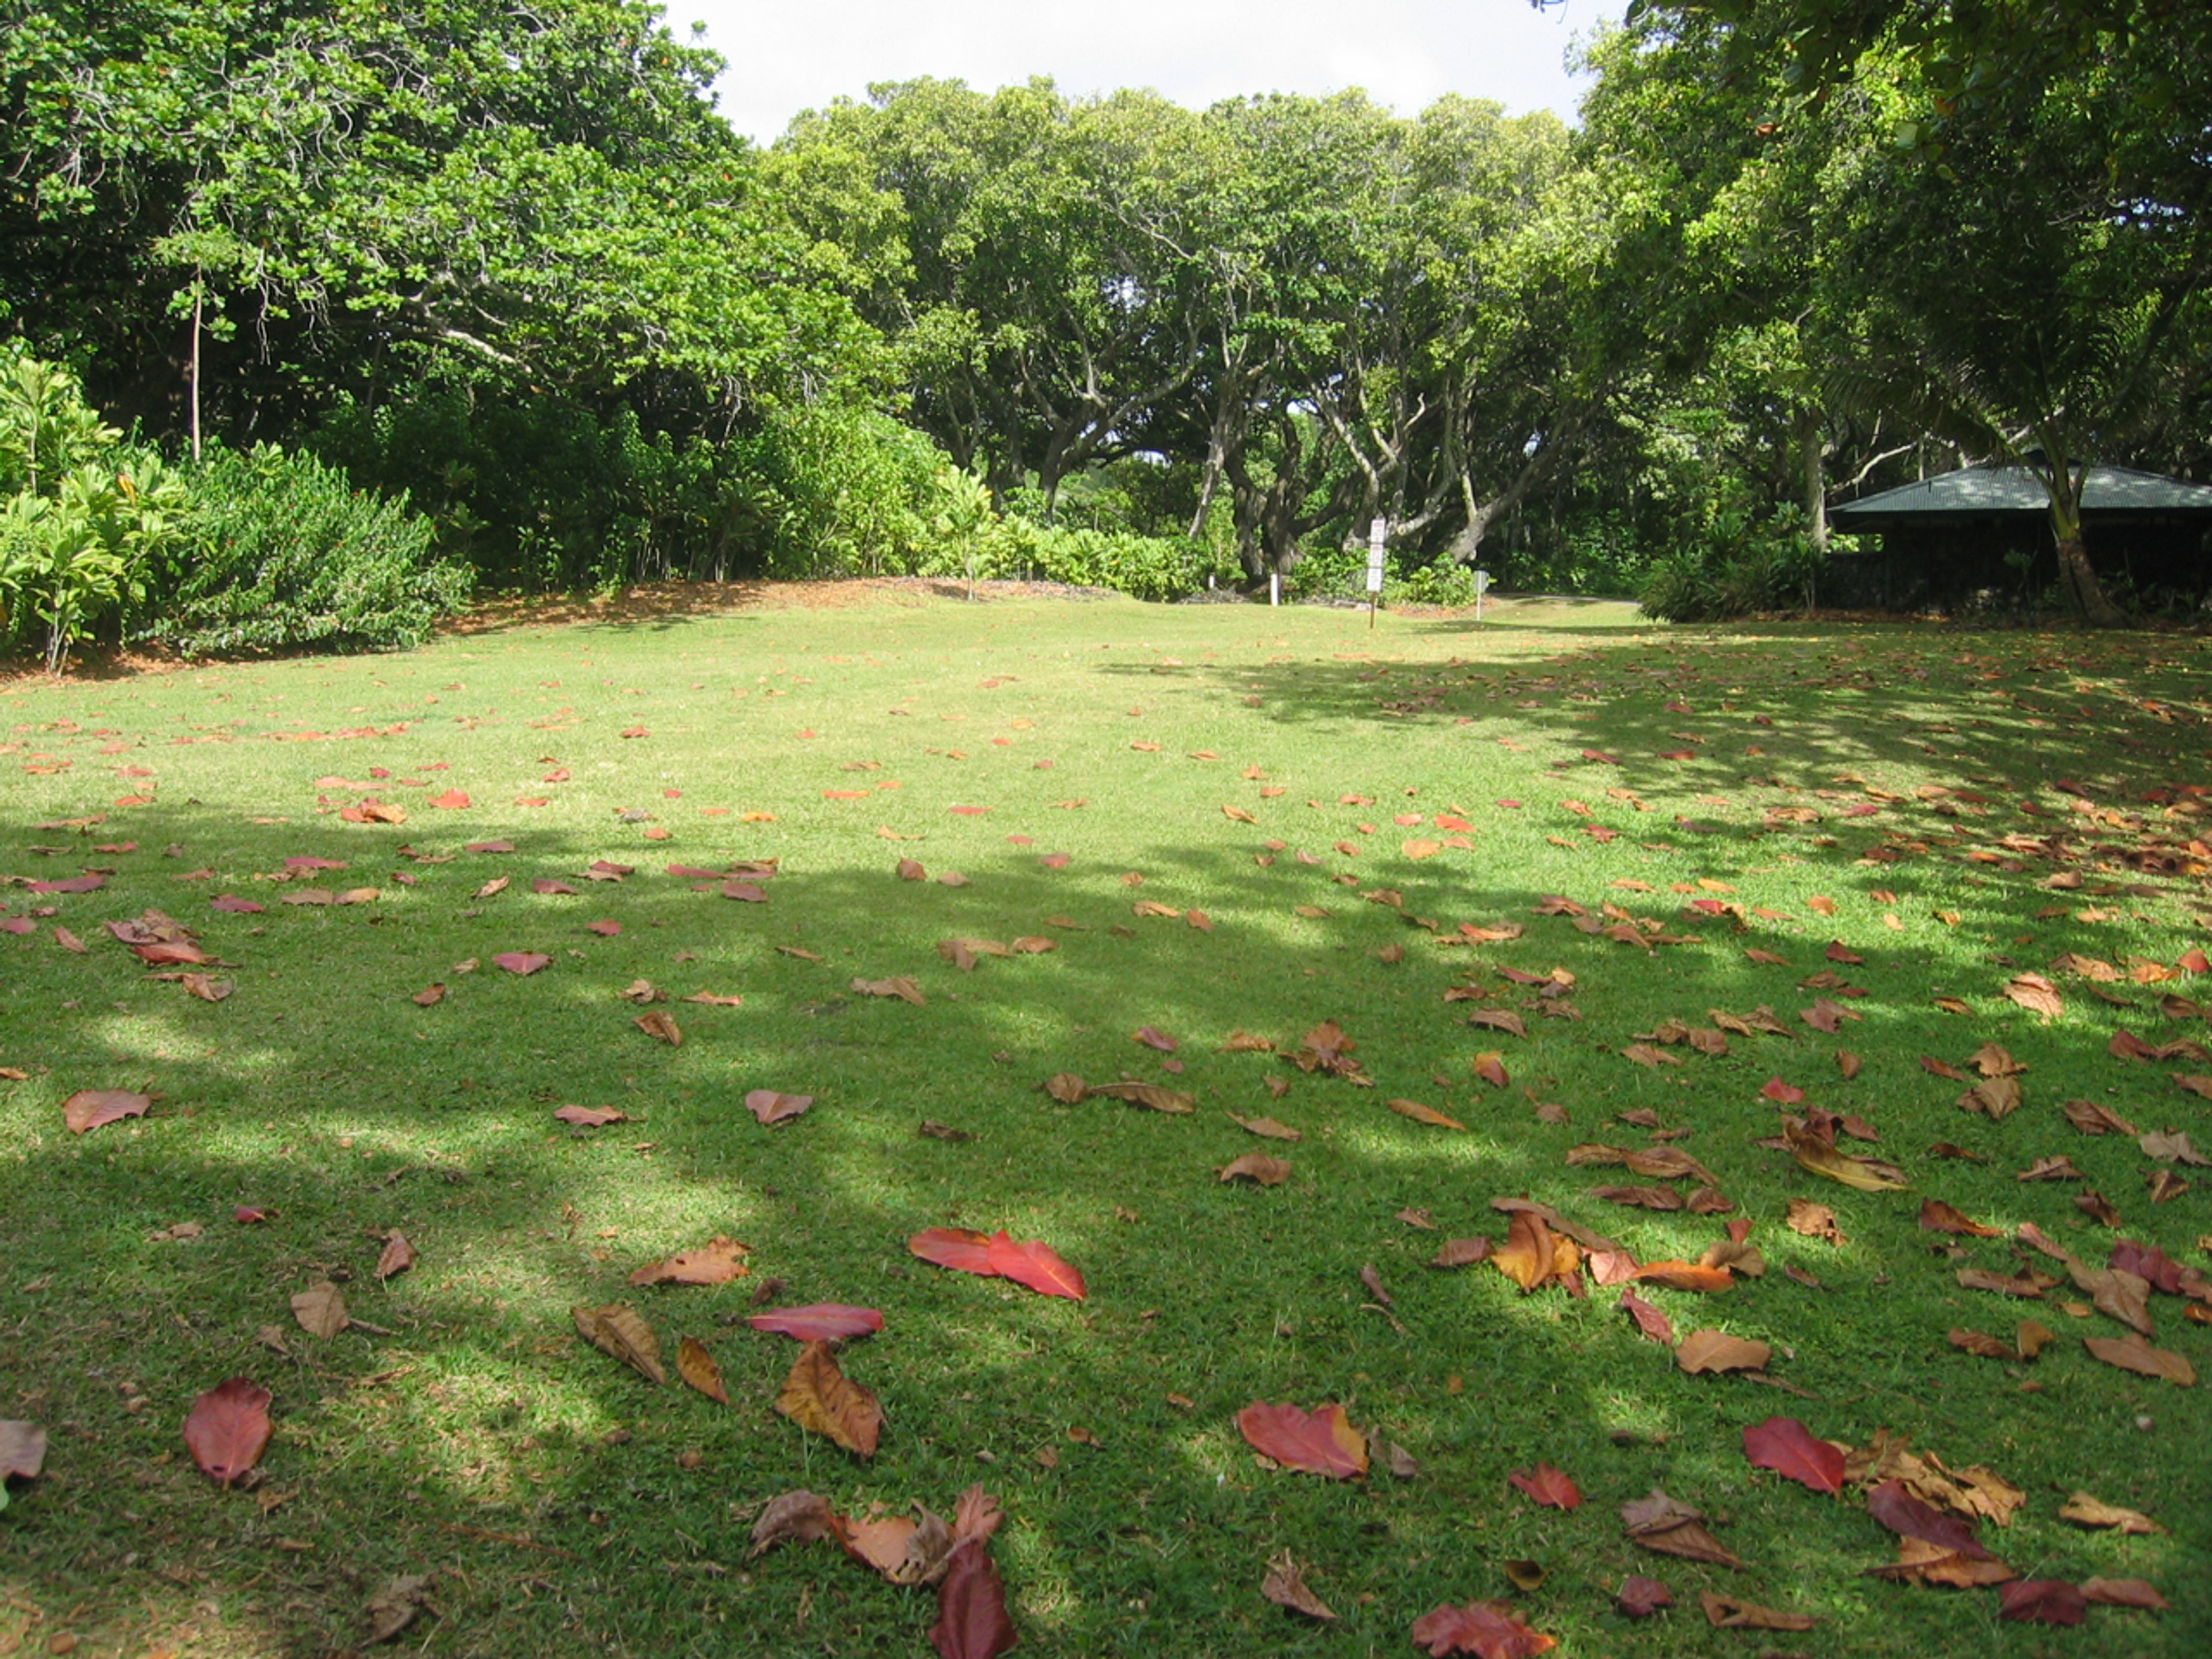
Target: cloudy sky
[[800, 54]]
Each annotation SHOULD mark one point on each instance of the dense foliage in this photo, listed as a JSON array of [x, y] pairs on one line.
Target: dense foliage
[[508, 262]]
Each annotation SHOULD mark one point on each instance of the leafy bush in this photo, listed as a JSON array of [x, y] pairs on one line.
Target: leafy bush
[[1143, 566], [81, 520], [277, 550]]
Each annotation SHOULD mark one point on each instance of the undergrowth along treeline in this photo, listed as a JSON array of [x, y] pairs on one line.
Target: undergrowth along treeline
[[510, 263]]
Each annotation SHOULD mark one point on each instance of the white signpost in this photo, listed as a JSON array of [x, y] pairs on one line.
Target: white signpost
[[1481, 587], [1376, 530]]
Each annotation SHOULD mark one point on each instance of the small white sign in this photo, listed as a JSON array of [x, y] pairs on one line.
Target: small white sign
[[1375, 532]]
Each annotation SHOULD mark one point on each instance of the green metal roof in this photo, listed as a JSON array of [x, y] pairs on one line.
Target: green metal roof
[[1984, 490]]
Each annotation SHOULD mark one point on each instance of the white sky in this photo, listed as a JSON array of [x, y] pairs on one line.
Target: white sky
[[785, 56]]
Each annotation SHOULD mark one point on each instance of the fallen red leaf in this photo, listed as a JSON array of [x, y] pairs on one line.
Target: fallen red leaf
[[521, 962], [2042, 1601], [1320, 1442], [972, 1622], [229, 1428], [1548, 1486], [1033, 1265], [957, 1248], [820, 1321], [1485, 1629], [1903, 1513], [1788, 1447]]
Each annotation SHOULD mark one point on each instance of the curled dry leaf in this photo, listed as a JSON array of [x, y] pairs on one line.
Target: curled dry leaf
[[715, 1262], [398, 1604], [2083, 1511], [1065, 1087], [90, 1108], [794, 1516], [1266, 1128], [2132, 1353], [1487, 1630], [901, 986], [1671, 1527], [1649, 1320], [616, 1330], [1257, 1167], [660, 1027], [1937, 1217], [1460, 1252], [2042, 1601], [396, 1256], [1639, 1598], [1319, 1441], [1159, 1099], [229, 1429], [1724, 1612], [819, 1397], [698, 1368], [1897, 1508], [22, 1450], [2124, 1593], [1716, 1351], [1286, 1586], [1421, 1114], [591, 1117], [321, 1310], [773, 1106]]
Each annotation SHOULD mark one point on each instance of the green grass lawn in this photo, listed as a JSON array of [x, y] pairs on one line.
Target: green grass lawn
[[1922, 814]]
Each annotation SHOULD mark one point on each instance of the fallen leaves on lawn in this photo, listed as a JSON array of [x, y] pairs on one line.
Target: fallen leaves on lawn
[[321, 1310], [698, 1370], [1725, 1612]]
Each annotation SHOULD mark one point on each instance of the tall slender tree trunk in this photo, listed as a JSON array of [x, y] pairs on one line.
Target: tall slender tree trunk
[[2085, 595]]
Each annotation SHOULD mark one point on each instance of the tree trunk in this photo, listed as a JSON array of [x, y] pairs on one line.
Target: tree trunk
[[2085, 596]]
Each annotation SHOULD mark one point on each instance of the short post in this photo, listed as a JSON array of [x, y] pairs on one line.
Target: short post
[[1274, 587], [1481, 586], [1376, 530]]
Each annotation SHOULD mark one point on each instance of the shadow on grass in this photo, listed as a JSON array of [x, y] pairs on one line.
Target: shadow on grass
[[564, 1506]]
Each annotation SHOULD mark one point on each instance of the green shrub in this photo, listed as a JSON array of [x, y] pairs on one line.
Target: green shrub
[[278, 550], [1143, 567], [82, 519]]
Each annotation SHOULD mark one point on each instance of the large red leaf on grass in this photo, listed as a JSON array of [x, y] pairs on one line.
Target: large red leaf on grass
[[1788, 1447], [820, 1321], [2042, 1601], [228, 1429], [1321, 1441], [972, 1622], [1482, 1628], [1034, 1266], [957, 1247]]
